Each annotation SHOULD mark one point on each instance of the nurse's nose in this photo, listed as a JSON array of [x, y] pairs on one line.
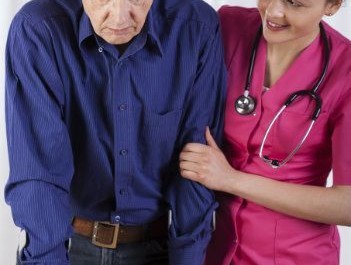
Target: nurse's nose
[[275, 9], [120, 12]]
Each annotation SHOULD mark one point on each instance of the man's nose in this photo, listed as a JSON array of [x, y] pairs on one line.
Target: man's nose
[[120, 12]]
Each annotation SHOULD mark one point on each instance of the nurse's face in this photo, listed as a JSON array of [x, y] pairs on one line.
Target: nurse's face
[[117, 21], [293, 21]]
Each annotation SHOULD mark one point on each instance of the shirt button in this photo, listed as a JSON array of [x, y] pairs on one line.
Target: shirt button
[[117, 218], [122, 107], [123, 152], [101, 49]]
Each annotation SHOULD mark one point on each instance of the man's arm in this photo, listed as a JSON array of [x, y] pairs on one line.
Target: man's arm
[[41, 163], [191, 204]]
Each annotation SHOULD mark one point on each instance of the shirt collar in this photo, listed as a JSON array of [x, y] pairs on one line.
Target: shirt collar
[[150, 28], [86, 30]]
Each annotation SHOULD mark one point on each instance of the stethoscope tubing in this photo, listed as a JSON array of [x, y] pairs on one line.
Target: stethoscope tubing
[[275, 163], [310, 93], [317, 99]]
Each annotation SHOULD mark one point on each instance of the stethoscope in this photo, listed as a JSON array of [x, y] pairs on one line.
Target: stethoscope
[[246, 104]]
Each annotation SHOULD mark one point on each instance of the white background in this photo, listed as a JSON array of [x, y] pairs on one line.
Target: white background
[[8, 232]]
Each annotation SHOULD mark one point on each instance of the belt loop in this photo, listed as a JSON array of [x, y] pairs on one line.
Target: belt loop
[[169, 218]]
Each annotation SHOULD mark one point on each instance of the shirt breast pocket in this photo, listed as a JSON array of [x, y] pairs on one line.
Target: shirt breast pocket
[[158, 136]]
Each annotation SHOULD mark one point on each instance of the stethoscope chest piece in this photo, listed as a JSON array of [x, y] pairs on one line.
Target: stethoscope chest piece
[[245, 105]]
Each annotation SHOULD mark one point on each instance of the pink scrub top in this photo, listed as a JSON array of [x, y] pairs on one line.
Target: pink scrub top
[[247, 233]]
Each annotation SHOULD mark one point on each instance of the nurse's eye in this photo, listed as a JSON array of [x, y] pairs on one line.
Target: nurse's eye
[[293, 3]]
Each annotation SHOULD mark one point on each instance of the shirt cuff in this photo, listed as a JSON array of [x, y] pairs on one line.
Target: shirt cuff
[[50, 262], [51, 258], [183, 252]]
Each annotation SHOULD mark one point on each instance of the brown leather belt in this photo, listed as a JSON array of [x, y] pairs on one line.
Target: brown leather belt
[[108, 235]]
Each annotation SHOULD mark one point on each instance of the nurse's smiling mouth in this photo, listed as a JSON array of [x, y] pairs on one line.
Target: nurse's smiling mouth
[[275, 26]]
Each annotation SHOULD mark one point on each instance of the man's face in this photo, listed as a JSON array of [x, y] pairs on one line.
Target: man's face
[[117, 21]]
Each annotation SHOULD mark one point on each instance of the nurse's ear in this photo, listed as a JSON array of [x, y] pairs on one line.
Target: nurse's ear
[[332, 7]]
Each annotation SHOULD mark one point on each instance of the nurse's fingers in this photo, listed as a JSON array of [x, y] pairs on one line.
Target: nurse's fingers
[[189, 175], [209, 139], [190, 166], [193, 157], [195, 147]]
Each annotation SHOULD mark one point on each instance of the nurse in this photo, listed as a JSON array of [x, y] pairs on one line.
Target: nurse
[[275, 208]]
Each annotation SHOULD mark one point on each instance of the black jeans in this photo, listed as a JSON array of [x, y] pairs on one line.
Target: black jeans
[[152, 252]]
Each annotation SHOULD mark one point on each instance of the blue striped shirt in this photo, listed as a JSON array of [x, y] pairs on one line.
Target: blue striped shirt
[[97, 134]]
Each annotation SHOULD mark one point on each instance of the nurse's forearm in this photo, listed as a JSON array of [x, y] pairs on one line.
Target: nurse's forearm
[[326, 205]]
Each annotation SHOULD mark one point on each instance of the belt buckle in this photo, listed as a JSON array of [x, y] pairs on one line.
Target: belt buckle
[[95, 237]]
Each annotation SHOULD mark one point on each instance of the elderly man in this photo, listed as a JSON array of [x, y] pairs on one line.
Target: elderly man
[[101, 95]]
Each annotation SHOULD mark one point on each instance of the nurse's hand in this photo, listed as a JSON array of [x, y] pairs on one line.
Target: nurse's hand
[[205, 164]]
